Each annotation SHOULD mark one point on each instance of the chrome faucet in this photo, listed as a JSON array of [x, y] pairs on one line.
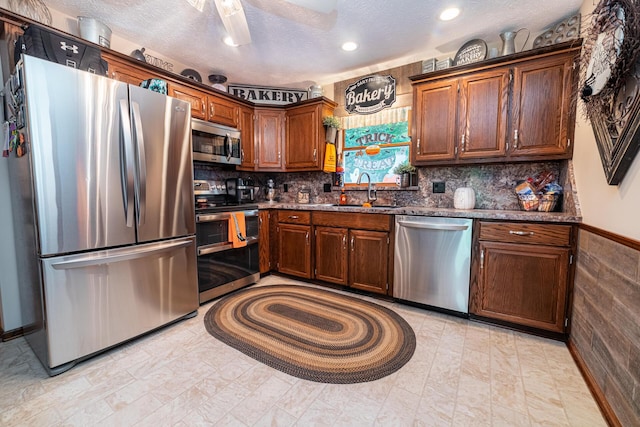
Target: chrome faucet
[[371, 188]]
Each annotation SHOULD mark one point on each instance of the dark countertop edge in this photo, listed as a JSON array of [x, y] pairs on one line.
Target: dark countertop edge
[[495, 214]]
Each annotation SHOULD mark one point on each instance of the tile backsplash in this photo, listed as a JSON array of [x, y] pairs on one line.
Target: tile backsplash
[[493, 185]]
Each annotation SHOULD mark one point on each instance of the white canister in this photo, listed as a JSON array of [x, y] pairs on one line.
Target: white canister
[[464, 198]]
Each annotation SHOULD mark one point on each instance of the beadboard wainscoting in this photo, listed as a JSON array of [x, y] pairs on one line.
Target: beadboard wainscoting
[[605, 324]]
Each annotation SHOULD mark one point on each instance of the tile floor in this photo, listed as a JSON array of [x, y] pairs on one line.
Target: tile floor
[[462, 374]]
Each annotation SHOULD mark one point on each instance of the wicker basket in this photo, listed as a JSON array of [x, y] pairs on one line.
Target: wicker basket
[[549, 202], [528, 202]]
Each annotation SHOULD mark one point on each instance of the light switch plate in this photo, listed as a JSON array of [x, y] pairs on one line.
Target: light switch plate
[[438, 186]]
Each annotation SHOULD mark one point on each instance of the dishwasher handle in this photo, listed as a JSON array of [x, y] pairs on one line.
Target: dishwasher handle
[[431, 226]]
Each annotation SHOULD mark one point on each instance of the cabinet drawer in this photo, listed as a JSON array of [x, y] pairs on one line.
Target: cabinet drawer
[[516, 232], [295, 217], [361, 221]]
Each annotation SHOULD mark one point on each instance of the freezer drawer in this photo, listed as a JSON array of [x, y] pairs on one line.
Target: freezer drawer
[[96, 300], [432, 261]]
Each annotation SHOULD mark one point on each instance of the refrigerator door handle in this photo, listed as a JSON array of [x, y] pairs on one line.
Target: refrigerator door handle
[[142, 164], [126, 163], [136, 253]]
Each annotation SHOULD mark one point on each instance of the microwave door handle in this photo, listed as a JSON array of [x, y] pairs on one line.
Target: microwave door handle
[[227, 146], [126, 162], [142, 164]]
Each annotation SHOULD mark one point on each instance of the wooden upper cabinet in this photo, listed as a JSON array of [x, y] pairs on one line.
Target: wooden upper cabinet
[[197, 99], [435, 107], [222, 111], [269, 135], [518, 108], [125, 72], [305, 135], [543, 114], [246, 126], [483, 103]]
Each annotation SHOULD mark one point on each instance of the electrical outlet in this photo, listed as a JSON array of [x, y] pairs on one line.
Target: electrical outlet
[[285, 187], [438, 186], [327, 188]]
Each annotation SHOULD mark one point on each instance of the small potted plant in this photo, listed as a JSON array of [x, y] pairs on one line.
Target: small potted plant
[[331, 124], [404, 170]]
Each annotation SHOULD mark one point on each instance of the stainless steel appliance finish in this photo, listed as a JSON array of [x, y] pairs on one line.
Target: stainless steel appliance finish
[[241, 190], [221, 267], [108, 169], [215, 143], [432, 261]]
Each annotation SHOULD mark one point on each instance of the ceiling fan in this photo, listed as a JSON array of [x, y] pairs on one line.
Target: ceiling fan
[[235, 22]]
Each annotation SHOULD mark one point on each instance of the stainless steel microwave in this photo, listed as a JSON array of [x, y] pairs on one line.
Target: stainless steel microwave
[[215, 143]]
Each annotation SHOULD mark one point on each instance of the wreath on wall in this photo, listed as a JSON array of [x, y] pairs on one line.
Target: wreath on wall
[[610, 83], [610, 52]]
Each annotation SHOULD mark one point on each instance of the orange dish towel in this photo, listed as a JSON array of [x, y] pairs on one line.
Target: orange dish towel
[[237, 229], [329, 158]]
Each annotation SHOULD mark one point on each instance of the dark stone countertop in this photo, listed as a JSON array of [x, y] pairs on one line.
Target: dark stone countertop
[[506, 215]]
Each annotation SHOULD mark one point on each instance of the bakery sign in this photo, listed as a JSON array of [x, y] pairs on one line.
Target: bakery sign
[[370, 94], [267, 95]]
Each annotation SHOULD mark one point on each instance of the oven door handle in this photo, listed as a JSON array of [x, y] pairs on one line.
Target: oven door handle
[[219, 247], [220, 216]]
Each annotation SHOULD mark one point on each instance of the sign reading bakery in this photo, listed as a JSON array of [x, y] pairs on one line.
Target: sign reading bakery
[[370, 95], [267, 95]]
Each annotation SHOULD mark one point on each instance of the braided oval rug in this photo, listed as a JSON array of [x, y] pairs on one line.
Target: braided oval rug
[[314, 334]]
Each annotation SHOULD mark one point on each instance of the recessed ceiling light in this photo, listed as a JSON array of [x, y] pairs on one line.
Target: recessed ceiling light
[[449, 14], [229, 41], [349, 46]]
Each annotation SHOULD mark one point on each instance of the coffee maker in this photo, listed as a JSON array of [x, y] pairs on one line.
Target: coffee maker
[[240, 190]]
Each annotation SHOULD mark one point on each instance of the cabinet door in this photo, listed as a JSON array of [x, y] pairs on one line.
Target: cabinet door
[[197, 99], [542, 115], [368, 260], [483, 120], [523, 284], [269, 139], [247, 139], [435, 121], [222, 111], [126, 73], [295, 250], [302, 148], [331, 254], [264, 241]]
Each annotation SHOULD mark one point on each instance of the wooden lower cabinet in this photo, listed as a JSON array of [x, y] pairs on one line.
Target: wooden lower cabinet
[[331, 252], [294, 249], [368, 260], [294, 243], [264, 241], [523, 274], [352, 249]]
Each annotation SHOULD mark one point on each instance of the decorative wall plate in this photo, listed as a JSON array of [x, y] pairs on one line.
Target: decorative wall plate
[[472, 51], [191, 74], [605, 53]]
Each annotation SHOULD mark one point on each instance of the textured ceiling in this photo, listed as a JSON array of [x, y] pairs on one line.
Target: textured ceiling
[[292, 46]]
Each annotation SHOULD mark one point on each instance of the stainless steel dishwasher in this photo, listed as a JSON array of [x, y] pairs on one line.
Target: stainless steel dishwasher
[[433, 261]]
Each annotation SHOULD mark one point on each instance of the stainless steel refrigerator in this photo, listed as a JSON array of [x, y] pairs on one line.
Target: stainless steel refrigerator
[[104, 196]]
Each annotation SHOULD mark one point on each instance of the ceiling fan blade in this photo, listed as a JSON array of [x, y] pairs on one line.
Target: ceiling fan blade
[[234, 20], [324, 6]]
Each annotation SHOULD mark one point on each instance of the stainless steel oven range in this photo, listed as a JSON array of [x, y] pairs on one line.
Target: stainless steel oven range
[[223, 268]]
